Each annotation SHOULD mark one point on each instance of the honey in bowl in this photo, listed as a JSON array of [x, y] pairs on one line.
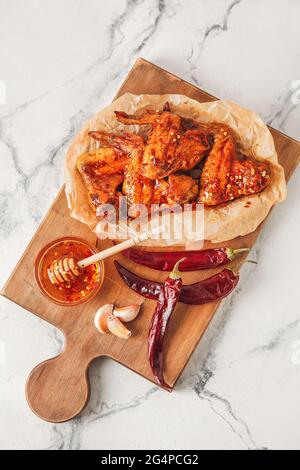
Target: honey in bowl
[[79, 290]]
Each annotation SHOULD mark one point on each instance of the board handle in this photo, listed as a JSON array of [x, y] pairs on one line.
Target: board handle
[[58, 389]]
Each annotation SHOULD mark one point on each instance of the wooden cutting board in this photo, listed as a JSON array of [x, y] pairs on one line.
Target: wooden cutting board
[[58, 389]]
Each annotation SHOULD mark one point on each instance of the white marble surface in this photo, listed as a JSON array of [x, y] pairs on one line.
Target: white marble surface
[[61, 62]]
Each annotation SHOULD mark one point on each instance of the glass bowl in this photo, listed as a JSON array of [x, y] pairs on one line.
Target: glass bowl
[[83, 288]]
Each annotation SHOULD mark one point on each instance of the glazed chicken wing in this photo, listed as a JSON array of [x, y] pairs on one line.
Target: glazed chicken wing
[[225, 176], [192, 147], [104, 161], [102, 172], [149, 167], [159, 157], [125, 143], [168, 147], [177, 189], [137, 188], [142, 190]]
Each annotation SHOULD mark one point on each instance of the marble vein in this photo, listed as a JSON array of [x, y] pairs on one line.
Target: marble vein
[[220, 405], [281, 110], [224, 409], [115, 30], [211, 31], [274, 342], [68, 436], [115, 27], [76, 120]]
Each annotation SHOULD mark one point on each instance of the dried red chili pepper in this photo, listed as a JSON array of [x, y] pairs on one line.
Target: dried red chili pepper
[[212, 289], [209, 290], [145, 287], [167, 300], [194, 260]]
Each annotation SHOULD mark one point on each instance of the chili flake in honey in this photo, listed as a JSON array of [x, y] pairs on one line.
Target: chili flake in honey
[[78, 290]]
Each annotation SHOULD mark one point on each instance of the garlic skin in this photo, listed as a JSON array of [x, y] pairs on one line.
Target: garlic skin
[[109, 319], [127, 313], [101, 317], [117, 328]]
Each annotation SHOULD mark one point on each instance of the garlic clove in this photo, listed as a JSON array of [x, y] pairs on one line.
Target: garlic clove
[[127, 313], [117, 328], [101, 317]]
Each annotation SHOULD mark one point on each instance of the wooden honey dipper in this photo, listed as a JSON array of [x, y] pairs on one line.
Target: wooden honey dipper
[[67, 269]]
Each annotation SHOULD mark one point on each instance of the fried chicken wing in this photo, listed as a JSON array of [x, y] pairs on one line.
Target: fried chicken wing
[[168, 147], [104, 190], [104, 161], [102, 172], [177, 189], [149, 117], [137, 188], [149, 167], [142, 190], [192, 147], [159, 157], [125, 143], [225, 176]]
